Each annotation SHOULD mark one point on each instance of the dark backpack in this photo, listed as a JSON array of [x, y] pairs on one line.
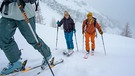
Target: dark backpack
[[94, 21]]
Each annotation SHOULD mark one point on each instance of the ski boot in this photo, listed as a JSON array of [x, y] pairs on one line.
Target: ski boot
[[44, 64], [12, 67], [70, 52], [92, 53]]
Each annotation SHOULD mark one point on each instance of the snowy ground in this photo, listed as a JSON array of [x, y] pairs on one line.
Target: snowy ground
[[118, 62]]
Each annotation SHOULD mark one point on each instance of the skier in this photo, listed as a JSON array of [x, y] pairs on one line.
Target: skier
[[89, 29], [11, 20], [69, 29]]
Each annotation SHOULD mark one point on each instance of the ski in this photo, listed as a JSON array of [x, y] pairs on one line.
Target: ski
[[51, 65], [68, 53], [16, 72]]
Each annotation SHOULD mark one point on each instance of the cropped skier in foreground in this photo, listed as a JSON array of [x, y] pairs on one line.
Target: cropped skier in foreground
[[12, 18]]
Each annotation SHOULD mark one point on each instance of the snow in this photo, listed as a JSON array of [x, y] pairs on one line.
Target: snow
[[48, 13], [118, 62]]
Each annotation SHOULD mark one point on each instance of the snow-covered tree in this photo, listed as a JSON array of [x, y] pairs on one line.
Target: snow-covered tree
[[53, 23], [39, 17], [102, 24], [127, 31]]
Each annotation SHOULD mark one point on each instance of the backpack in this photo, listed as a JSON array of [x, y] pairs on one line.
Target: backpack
[[94, 23], [7, 2]]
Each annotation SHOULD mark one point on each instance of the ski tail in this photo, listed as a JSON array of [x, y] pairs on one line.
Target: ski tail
[[52, 65], [24, 64]]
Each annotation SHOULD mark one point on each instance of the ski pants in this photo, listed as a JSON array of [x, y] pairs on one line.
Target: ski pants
[[89, 38], [9, 46], [69, 40]]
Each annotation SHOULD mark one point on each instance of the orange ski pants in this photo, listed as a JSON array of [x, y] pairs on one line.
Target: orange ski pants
[[89, 38]]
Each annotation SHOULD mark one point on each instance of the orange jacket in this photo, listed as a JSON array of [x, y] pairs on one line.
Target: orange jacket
[[90, 27]]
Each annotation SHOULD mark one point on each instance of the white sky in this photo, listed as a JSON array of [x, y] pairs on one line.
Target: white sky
[[120, 10]]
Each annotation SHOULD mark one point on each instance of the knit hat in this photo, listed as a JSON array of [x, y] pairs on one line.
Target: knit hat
[[89, 14], [66, 13]]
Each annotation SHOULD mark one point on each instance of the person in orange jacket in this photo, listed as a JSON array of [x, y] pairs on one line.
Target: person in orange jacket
[[89, 29]]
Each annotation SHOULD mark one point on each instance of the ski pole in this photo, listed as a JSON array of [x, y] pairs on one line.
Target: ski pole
[[103, 44], [57, 37], [27, 20], [83, 43], [76, 41]]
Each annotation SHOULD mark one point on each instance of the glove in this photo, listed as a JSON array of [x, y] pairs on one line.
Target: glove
[[74, 30], [58, 23], [82, 32], [101, 32]]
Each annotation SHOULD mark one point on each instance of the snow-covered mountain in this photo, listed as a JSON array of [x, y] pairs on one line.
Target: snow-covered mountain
[[118, 61], [52, 10], [78, 10]]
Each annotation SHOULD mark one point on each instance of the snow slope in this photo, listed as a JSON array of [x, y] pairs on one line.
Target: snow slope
[[78, 11], [118, 62]]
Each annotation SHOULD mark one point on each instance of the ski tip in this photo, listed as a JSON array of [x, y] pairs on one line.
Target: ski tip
[[52, 61], [24, 62], [23, 65]]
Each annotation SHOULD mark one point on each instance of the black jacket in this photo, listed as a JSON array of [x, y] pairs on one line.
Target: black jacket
[[68, 24]]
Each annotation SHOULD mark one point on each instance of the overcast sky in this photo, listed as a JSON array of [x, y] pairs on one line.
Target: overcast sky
[[120, 10]]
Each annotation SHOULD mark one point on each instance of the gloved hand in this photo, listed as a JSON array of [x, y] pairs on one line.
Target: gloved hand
[[82, 32], [101, 32], [74, 30], [58, 23]]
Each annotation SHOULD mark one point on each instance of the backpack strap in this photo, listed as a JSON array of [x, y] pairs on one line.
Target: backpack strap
[[37, 4], [94, 21], [95, 24], [6, 3], [1, 7]]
